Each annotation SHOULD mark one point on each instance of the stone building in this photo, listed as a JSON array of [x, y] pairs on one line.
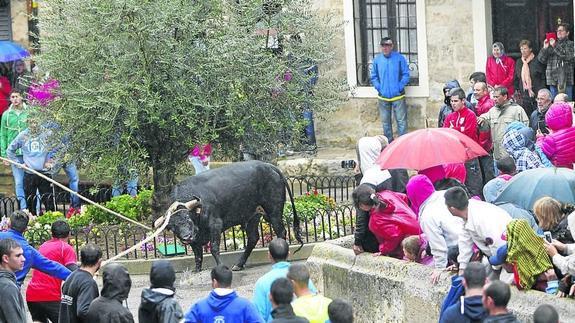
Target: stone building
[[442, 40], [16, 20]]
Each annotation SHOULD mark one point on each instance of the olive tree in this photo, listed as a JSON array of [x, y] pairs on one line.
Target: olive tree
[[142, 81]]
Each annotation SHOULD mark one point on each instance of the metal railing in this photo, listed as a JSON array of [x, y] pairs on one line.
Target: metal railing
[[325, 224]]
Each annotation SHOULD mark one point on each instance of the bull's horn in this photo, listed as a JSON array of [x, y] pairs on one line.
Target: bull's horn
[[159, 221], [192, 204]]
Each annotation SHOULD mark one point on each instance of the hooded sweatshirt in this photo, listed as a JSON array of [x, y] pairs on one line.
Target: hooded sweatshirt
[[108, 307], [515, 143], [502, 318], [446, 108], [157, 303], [34, 147], [13, 122], [466, 310], [12, 308], [392, 221], [223, 305], [559, 146], [441, 229]]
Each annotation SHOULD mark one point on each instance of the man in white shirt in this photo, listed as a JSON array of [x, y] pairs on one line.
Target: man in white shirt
[[485, 225], [441, 229]]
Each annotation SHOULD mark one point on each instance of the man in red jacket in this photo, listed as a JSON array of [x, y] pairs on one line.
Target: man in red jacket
[[484, 103], [464, 120], [461, 119]]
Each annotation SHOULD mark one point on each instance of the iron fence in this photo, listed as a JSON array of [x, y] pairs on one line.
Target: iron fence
[[325, 224], [339, 188]]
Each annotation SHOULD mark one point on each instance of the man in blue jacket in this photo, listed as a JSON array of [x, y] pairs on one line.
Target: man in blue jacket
[[278, 252], [34, 259], [223, 304], [389, 76], [469, 308]]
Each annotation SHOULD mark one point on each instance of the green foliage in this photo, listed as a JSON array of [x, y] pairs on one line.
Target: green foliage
[[79, 221], [142, 81], [39, 230], [50, 217], [308, 206], [136, 208]]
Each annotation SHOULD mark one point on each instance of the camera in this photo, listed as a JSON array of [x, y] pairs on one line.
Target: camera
[[348, 163], [547, 236]]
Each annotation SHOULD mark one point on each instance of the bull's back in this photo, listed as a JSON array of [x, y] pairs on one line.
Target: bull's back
[[235, 189]]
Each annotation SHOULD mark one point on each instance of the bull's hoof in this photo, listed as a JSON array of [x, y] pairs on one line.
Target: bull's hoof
[[237, 268]]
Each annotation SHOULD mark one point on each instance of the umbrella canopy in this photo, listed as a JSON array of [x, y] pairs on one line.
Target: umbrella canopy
[[430, 147], [10, 51], [528, 186]]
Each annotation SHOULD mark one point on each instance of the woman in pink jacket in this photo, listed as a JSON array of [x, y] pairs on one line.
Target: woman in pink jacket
[[390, 219], [559, 144], [500, 69]]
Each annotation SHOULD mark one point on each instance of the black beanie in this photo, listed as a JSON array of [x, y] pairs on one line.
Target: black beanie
[[162, 275]]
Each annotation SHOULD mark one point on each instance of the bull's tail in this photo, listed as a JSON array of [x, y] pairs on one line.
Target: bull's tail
[[296, 223], [296, 227]]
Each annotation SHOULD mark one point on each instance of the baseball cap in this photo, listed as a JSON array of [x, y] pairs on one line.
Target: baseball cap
[[386, 41]]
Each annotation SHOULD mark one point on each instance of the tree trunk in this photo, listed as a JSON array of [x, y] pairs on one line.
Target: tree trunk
[[164, 180]]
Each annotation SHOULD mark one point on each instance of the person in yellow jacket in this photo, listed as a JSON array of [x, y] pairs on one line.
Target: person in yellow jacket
[[14, 120], [309, 305]]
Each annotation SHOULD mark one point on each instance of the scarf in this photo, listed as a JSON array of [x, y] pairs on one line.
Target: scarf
[[525, 74], [526, 253]]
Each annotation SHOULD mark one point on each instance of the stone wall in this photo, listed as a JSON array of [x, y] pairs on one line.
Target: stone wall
[[450, 54], [19, 12], [384, 289]]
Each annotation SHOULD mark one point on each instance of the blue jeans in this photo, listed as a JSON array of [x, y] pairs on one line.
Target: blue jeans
[[309, 127], [131, 187], [18, 174], [555, 91], [72, 173], [198, 166], [399, 110]]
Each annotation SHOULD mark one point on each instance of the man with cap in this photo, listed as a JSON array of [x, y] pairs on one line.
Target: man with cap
[[158, 304], [389, 77]]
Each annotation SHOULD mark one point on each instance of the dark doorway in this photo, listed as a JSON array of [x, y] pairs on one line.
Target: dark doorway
[[514, 20]]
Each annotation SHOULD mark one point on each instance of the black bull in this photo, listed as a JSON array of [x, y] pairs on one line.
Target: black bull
[[219, 199]]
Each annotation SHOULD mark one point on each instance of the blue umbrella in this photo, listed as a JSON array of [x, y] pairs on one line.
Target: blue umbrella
[[528, 186], [10, 51]]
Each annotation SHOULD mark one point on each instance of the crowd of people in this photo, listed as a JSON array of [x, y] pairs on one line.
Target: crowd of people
[[448, 216], [61, 291]]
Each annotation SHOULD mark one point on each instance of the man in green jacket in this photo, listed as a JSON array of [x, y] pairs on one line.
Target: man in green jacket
[[14, 120]]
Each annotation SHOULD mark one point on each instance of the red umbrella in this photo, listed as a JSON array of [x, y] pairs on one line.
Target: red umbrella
[[425, 148]]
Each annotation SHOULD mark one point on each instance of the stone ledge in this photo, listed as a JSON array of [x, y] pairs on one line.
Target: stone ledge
[[187, 263], [385, 289]]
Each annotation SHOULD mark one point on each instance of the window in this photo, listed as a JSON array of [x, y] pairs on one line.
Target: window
[[375, 19]]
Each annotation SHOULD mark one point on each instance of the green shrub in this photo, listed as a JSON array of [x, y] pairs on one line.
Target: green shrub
[[308, 206]]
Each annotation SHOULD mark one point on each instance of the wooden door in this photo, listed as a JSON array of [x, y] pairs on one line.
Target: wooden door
[[514, 20]]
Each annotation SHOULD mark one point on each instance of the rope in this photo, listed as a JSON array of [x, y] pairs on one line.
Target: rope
[[169, 212], [76, 193], [149, 238]]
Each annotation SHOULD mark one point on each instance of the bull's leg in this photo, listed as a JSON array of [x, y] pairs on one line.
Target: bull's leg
[[215, 239], [198, 255], [252, 230], [274, 218]]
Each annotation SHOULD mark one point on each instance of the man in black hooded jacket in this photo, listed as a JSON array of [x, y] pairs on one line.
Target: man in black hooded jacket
[[158, 304], [108, 307]]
